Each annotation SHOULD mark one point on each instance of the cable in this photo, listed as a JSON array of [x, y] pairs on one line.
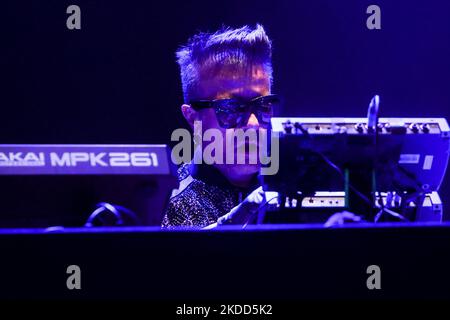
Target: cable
[[372, 113], [372, 122], [258, 211], [98, 214], [389, 198], [118, 212], [339, 170]]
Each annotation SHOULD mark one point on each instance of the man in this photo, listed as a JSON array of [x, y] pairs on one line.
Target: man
[[226, 78], [218, 70]]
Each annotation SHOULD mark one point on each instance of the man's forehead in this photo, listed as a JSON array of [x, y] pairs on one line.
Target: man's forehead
[[225, 81]]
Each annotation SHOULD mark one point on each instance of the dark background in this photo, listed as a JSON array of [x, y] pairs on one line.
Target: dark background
[[116, 80]]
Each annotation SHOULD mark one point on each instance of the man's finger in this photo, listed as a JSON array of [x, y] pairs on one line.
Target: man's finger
[[350, 216]]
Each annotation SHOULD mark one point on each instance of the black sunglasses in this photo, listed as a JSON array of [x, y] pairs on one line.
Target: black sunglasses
[[234, 113]]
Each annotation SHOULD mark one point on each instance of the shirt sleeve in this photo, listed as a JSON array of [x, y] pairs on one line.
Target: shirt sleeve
[[183, 213], [175, 217]]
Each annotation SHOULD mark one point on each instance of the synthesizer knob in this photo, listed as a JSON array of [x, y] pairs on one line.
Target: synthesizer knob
[[342, 129], [414, 127], [360, 127], [425, 128], [380, 127], [299, 128], [287, 127]]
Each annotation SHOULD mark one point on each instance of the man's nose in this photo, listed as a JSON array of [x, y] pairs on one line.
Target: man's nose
[[252, 121]]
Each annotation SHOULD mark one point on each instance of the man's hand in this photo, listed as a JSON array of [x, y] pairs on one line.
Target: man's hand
[[242, 213], [340, 218]]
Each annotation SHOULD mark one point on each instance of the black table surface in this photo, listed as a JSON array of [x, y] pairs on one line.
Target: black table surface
[[268, 262]]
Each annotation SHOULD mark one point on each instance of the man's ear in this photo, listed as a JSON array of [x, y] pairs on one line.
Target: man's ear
[[189, 114]]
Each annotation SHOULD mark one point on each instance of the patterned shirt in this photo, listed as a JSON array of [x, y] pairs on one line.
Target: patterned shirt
[[204, 195]]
